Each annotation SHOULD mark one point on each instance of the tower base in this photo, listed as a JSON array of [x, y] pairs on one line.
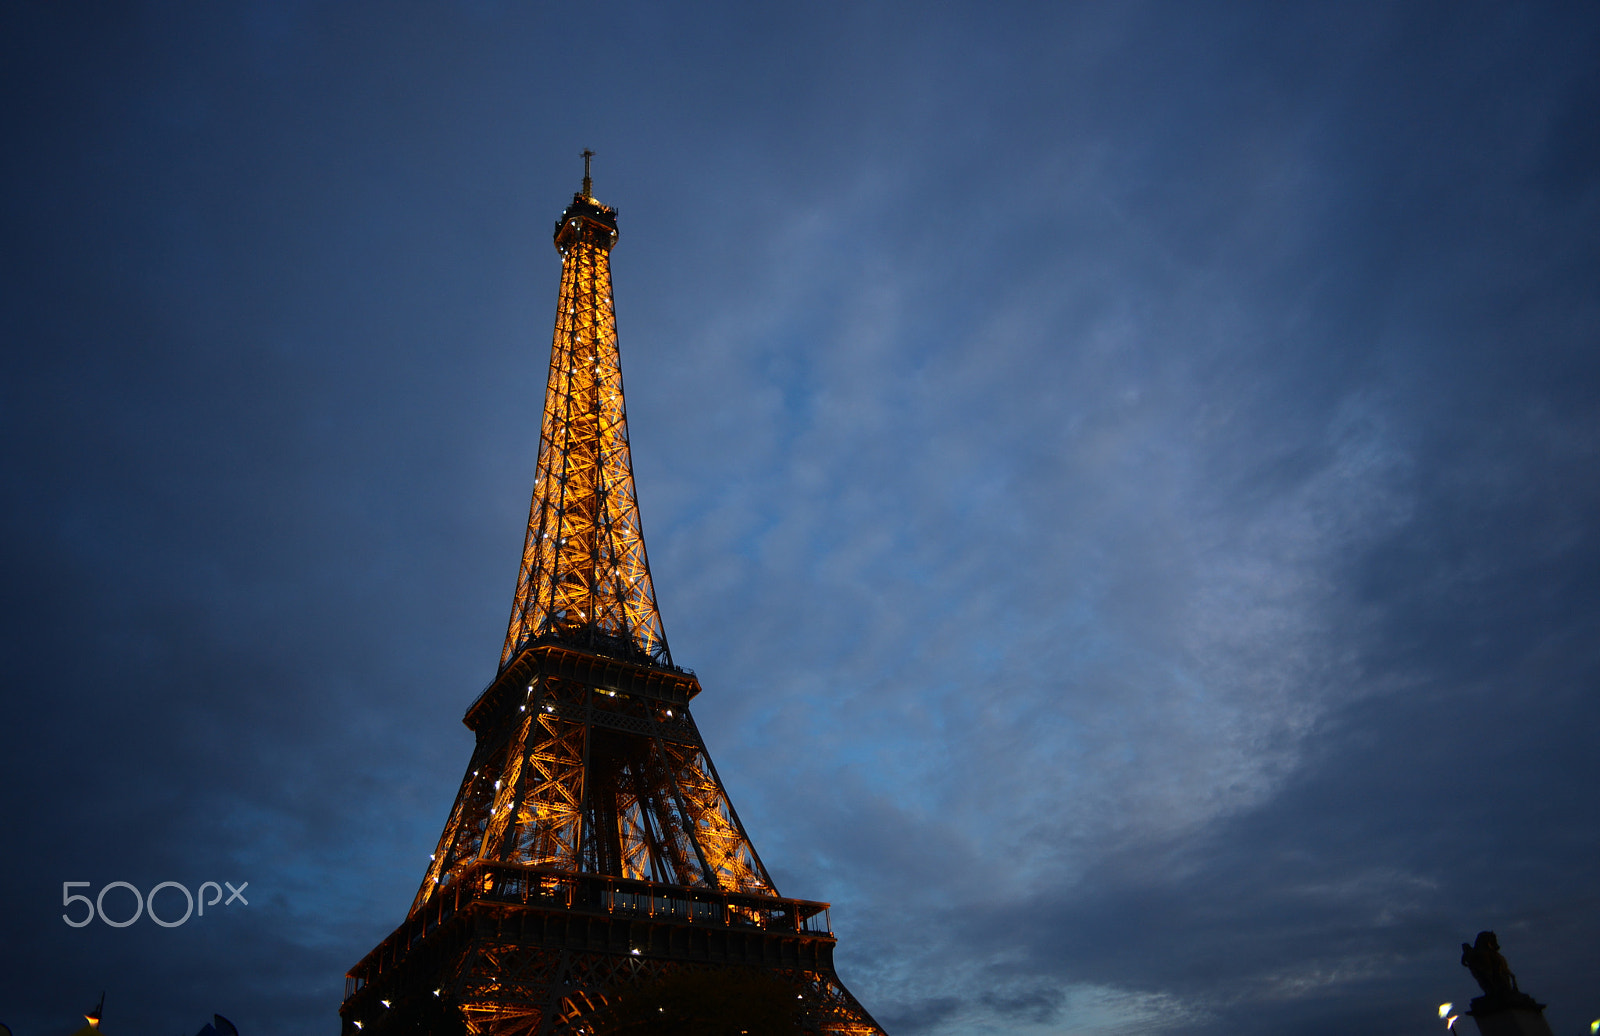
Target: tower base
[[532, 952]]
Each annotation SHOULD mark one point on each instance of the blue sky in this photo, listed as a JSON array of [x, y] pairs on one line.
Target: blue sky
[[1123, 474]]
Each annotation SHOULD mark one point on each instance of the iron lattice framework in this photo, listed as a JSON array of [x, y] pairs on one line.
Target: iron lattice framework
[[591, 845], [584, 577]]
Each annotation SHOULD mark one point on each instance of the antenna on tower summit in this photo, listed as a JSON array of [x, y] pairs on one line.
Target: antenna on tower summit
[[588, 184]]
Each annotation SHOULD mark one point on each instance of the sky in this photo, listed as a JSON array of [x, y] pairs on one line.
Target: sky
[[1125, 476]]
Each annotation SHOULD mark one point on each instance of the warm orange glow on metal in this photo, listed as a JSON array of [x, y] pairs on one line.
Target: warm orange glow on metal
[[592, 780], [584, 576], [591, 844]]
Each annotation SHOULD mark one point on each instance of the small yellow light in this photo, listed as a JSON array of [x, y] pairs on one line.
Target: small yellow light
[[1444, 1009]]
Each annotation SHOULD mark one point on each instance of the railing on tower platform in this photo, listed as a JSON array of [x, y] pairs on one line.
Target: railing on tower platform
[[492, 884]]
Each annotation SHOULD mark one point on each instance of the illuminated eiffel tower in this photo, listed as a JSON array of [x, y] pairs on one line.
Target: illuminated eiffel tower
[[592, 846]]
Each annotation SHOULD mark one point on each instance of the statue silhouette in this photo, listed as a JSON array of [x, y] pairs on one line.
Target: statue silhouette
[[1488, 966]]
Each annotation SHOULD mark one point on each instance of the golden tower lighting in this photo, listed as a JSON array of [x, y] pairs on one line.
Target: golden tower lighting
[[592, 848]]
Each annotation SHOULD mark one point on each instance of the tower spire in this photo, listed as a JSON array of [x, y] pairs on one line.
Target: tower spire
[[588, 184], [585, 579]]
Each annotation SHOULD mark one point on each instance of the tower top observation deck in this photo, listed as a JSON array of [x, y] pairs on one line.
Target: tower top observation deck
[[586, 220]]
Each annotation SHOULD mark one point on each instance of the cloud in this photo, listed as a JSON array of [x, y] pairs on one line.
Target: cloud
[[1123, 476]]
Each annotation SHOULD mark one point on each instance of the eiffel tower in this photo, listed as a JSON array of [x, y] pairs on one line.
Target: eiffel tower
[[592, 846]]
